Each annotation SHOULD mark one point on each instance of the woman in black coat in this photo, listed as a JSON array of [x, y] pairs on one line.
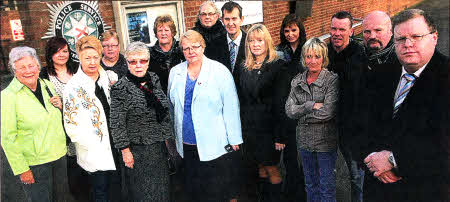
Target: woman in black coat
[[166, 53], [261, 109], [293, 36]]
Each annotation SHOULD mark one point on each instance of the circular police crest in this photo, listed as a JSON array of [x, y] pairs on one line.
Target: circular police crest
[[73, 20]]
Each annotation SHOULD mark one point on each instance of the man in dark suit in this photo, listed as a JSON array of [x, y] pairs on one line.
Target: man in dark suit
[[407, 149], [233, 54]]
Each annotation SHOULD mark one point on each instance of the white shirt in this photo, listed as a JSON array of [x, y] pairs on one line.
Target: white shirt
[[403, 81], [237, 41]]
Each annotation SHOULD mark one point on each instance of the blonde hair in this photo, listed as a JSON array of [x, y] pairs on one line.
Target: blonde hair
[[270, 49], [108, 35], [89, 42], [193, 37], [318, 47]]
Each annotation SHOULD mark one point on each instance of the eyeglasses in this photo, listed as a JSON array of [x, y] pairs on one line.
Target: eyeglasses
[[193, 48], [413, 38], [110, 46], [207, 14], [134, 62]]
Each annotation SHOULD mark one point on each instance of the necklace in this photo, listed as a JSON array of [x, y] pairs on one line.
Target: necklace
[[258, 63]]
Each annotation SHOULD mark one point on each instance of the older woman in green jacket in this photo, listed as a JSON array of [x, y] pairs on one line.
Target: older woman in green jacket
[[32, 132]]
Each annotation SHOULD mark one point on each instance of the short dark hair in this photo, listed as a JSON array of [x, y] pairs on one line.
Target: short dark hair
[[289, 20], [229, 6], [342, 15], [414, 13], [53, 46]]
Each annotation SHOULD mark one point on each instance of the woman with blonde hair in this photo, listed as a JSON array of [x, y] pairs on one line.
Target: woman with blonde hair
[[313, 103], [261, 109], [86, 108]]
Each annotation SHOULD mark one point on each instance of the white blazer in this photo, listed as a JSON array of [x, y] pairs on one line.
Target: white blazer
[[85, 121]]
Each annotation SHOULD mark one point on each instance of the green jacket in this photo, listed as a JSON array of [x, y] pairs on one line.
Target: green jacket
[[31, 134]]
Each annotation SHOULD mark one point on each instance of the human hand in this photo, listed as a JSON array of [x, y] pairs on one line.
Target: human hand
[[56, 101], [388, 177], [127, 158], [279, 146], [27, 177], [317, 105], [378, 162], [235, 147]]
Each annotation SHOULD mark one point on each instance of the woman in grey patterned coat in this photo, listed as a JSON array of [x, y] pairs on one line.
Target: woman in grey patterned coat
[[312, 100], [140, 125]]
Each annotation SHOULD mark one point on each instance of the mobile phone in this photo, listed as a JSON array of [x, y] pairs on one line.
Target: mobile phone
[[229, 148]]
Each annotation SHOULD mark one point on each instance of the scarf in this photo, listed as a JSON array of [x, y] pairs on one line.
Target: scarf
[[380, 57], [150, 97]]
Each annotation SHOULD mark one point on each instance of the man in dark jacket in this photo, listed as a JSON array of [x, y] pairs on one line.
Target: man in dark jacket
[[407, 149], [211, 29], [234, 53], [347, 59], [378, 43]]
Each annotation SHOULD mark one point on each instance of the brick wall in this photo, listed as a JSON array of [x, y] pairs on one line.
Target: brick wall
[[35, 18]]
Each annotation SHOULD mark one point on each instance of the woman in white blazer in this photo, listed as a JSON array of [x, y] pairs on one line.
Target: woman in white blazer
[[86, 112]]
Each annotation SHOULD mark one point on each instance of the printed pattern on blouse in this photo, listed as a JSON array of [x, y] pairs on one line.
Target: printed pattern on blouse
[[71, 109]]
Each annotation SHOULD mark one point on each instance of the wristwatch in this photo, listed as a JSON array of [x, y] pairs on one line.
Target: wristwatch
[[391, 160]]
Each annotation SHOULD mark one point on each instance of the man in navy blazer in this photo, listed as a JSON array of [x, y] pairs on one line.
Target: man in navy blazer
[[406, 151], [232, 19]]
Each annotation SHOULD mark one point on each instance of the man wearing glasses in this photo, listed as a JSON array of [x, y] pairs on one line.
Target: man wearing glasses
[[407, 149], [112, 59], [212, 30]]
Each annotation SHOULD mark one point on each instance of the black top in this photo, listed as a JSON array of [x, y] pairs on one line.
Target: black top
[[38, 94], [291, 57], [351, 66], [161, 62], [215, 36], [100, 94], [120, 68], [287, 73], [262, 105]]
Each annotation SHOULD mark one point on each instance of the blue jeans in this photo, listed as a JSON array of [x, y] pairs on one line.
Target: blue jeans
[[320, 177]]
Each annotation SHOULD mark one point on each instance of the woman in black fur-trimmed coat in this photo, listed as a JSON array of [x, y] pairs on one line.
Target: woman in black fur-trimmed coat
[[140, 125]]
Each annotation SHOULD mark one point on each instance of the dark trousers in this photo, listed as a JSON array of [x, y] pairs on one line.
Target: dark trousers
[[50, 182], [294, 180], [105, 186]]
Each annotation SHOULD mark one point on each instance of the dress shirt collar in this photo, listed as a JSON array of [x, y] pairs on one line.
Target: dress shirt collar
[[417, 73], [237, 41]]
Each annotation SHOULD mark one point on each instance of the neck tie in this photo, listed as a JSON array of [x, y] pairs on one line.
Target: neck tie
[[407, 82], [232, 54]]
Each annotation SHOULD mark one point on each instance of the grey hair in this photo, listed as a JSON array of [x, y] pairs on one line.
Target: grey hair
[[210, 3], [20, 52], [137, 47]]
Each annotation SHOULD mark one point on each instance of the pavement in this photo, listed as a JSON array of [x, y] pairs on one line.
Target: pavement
[[438, 9]]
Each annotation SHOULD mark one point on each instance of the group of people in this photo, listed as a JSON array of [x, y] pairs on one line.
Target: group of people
[[232, 102]]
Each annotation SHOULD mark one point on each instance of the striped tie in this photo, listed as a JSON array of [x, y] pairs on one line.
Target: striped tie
[[403, 91], [232, 54]]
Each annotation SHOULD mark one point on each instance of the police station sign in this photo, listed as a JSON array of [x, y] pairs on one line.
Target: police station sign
[[73, 20]]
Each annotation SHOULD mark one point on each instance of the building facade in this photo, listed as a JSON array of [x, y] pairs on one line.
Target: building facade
[[133, 20]]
